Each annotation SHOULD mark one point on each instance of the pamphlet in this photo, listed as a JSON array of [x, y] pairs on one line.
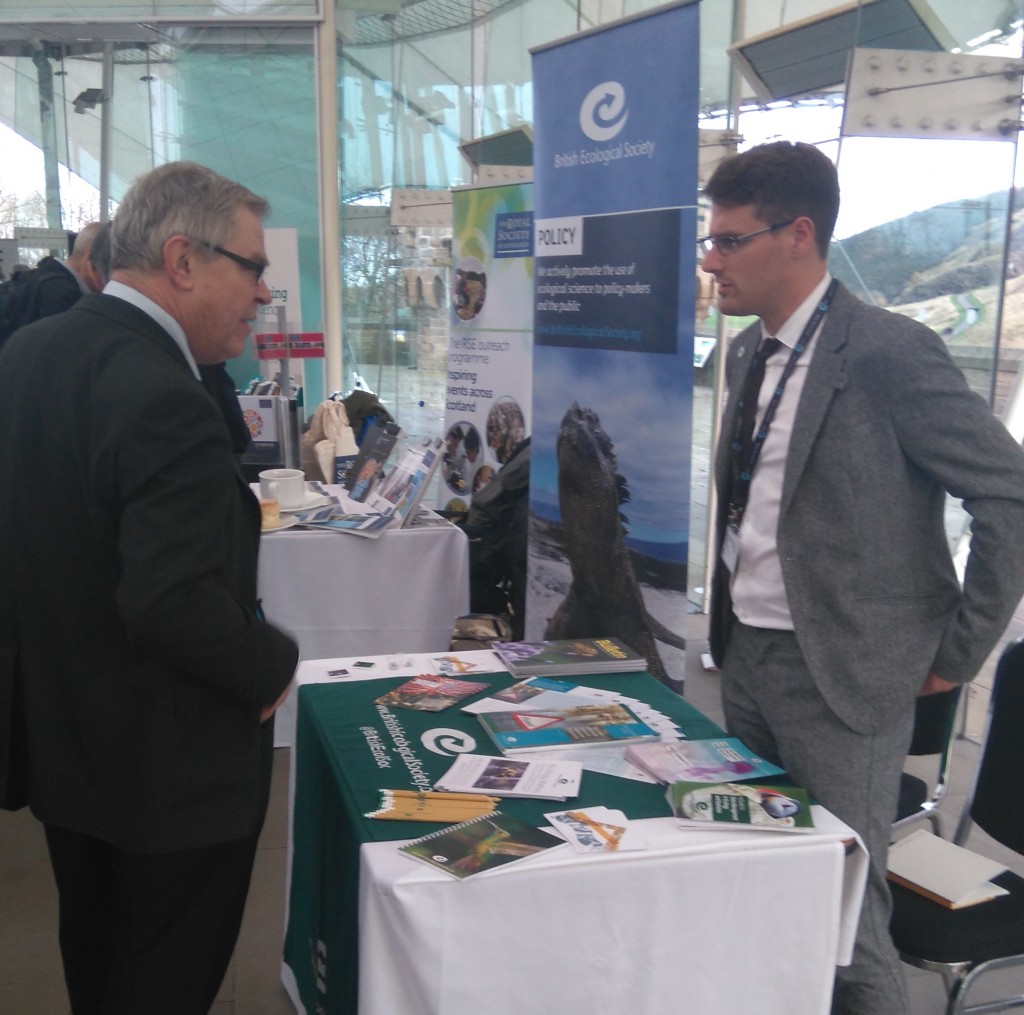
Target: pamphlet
[[540, 693], [430, 692], [700, 760], [727, 806], [537, 730], [596, 830], [482, 844], [378, 443], [510, 777], [457, 663], [335, 518]]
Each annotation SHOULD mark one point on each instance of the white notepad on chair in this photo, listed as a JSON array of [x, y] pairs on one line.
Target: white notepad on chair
[[942, 871]]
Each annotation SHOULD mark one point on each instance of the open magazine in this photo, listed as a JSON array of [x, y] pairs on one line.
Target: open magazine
[[400, 493]]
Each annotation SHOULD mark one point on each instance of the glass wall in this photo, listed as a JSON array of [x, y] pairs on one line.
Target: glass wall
[[240, 99], [413, 85]]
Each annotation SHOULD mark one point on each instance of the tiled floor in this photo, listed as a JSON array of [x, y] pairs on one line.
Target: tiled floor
[[30, 972]]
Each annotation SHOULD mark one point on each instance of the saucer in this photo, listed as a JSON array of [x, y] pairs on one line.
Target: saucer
[[286, 523], [313, 500]]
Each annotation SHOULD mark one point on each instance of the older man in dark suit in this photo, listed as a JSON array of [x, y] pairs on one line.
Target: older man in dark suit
[[835, 601], [137, 672]]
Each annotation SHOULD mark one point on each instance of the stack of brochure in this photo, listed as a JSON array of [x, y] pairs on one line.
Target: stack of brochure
[[568, 657]]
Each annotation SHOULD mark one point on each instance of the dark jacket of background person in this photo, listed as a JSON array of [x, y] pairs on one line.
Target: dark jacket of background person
[[497, 527], [119, 598], [58, 289], [52, 287]]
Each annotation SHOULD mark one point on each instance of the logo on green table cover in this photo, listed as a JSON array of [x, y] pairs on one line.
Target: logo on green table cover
[[448, 741]]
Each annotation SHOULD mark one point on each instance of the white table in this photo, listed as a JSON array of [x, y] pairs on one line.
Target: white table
[[721, 923], [739, 923], [343, 595]]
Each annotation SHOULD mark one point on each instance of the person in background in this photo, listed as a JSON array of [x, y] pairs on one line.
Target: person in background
[[80, 260], [51, 287], [835, 601], [138, 675], [66, 281]]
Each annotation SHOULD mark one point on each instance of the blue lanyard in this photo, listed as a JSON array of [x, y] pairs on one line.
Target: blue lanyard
[[745, 470]]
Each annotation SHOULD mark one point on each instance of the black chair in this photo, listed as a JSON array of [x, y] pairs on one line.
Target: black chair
[[966, 944], [934, 723]]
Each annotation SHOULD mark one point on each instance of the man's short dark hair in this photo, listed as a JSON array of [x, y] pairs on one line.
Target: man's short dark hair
[[782, 180]]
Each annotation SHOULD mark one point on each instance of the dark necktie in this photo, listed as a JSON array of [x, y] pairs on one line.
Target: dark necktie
[[751, 390]]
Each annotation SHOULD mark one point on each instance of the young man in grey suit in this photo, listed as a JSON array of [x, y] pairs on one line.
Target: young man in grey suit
[[137, 672], [835, 601]]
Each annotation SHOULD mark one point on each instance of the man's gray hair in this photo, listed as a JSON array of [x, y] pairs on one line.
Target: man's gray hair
[[179, 198]]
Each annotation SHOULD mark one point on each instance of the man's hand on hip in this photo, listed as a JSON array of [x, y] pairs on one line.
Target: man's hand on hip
[[934, 684]]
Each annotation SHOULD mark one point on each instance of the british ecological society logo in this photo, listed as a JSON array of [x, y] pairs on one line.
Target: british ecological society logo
[[448, 741], [603, 116], [604, 113]]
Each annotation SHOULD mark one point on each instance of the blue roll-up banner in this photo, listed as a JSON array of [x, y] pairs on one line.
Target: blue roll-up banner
[[615, 186]]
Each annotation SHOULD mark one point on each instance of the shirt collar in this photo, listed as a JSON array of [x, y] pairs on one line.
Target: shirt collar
[[793, 326], [154, 310]]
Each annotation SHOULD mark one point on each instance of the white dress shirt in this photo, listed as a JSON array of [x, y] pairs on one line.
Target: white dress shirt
[[157, 312], [758, 592]]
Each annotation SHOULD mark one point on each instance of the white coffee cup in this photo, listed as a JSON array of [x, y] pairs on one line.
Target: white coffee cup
[[286, 486]]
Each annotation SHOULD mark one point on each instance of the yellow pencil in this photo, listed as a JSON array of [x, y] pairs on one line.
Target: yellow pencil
[[431, 795]]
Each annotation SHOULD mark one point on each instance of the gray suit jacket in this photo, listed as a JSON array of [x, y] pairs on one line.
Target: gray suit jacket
[[885, 426]]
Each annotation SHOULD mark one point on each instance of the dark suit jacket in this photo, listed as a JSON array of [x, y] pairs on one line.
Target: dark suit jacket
[[128, 611], [885, 426]]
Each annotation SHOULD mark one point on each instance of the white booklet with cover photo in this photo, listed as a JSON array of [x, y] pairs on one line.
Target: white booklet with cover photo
[[512, 777]]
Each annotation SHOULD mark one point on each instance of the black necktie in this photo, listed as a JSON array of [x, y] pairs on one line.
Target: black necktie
[[748, 406]]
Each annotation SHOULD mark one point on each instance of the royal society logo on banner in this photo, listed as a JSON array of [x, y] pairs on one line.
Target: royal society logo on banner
[[603, 116]]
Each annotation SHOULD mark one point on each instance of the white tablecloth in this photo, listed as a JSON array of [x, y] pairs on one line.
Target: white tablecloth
[[344, 595], [738, 923]]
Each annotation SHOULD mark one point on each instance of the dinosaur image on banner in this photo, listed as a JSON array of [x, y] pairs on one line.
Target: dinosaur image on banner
[[604, 597]]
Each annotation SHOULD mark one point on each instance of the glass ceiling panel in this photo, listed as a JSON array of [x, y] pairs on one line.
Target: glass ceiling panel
[[184, 10]]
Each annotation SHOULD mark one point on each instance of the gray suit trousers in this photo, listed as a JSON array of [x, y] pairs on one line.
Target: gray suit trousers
[[773, 705]]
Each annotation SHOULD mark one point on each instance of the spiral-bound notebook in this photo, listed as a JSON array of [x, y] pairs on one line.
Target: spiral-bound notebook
[[480, 844]]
